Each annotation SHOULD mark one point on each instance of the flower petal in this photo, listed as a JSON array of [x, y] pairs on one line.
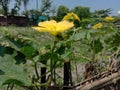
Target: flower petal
[[53, 27]]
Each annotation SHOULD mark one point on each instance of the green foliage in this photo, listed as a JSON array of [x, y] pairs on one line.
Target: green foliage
[[97, 46], [61, 12], [113, 42], [82, 12], [22, 45], [86, 23], [25, 2], [46, 5], [12, 73], [28, 51], [1, 11], [101, 13], [4, 4]]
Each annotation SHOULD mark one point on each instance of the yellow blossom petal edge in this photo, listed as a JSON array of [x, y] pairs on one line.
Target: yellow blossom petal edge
[[72, 16], [53, 27], [97, 26], [109, 18]]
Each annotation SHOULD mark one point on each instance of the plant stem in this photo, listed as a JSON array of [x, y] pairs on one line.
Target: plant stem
[[52, 62], [8, 86], [36, 71], [12, 85]]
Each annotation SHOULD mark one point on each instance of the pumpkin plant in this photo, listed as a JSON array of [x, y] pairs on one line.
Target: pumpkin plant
[[23, 55]]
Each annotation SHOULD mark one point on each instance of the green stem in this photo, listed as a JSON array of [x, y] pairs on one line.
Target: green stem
[[44, 74], [36, 71], [93, 49], [8, 86], [12, 85], [52, 62]]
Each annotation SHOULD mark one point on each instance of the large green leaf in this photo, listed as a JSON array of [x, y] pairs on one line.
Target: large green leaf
[[12, 73], [12, 43]]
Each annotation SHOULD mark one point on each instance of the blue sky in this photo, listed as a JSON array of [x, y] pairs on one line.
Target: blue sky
[[93, 4]]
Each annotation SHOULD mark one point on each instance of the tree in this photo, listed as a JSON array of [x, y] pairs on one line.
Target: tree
[[32, 12], [16, 7], [82, 12], [46, 6], [1, 11], [102, 13], [25, 2], [53, 10], [61, 12], [4, 4]]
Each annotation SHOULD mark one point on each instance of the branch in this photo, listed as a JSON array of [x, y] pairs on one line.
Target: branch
[[111, 79]]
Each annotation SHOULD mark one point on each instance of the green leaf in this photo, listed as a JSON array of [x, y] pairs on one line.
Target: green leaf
[[12, 73], [44, 57], [12, 43], [5, 50], [66, 54], [113, 41], [28, 51], [20, 58], [78, 36], [60, 48], [92, 33], [2, 50]]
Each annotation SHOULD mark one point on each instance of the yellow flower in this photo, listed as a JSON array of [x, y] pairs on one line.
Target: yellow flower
[[97, 26], [54, 27], [109, 18], [70, 16]]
